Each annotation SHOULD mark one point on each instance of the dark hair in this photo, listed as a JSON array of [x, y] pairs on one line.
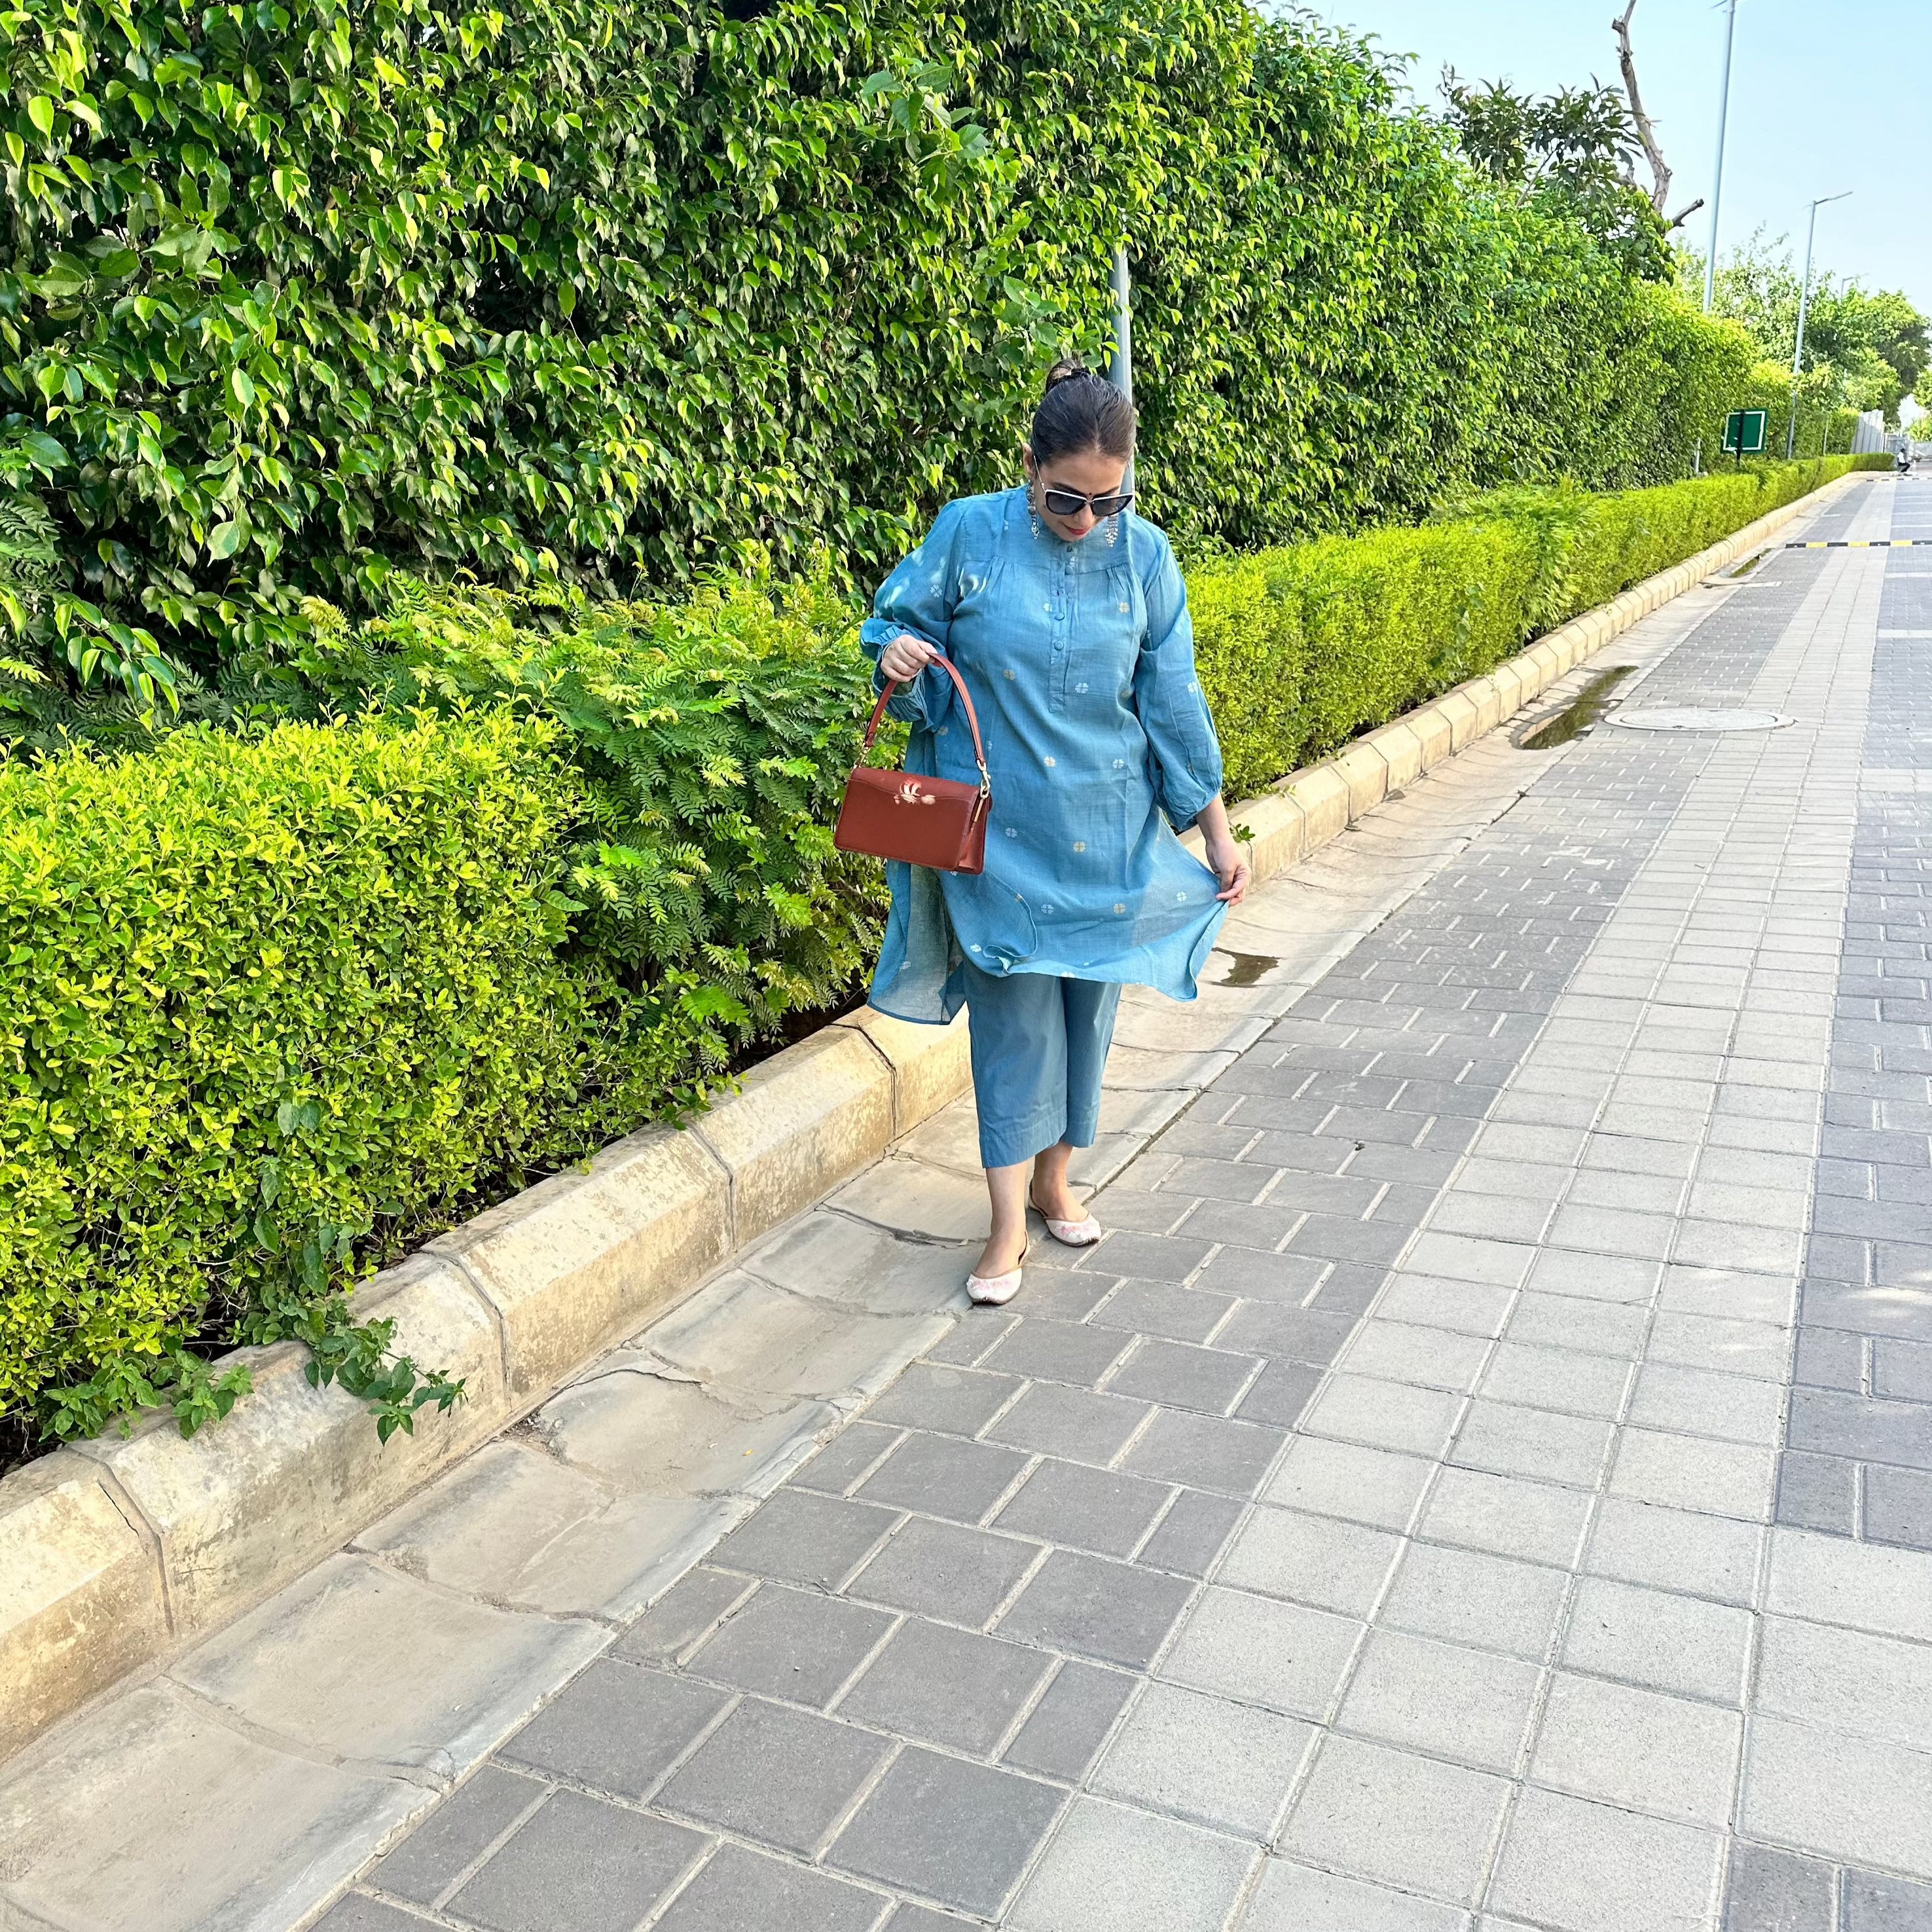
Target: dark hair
[[1081, 411]]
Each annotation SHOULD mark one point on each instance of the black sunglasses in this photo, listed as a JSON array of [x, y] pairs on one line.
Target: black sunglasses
[[1070, 503]]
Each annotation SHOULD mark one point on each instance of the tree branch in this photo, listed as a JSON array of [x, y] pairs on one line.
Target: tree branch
[[1684, 214], [1660, 169]]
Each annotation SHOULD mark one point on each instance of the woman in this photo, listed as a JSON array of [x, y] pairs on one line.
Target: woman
[[1066, 616]]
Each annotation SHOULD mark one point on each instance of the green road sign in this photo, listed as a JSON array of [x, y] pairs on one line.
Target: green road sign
[[1744, 433]]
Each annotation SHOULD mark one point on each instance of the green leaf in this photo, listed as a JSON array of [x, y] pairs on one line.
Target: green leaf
[[224, 540]]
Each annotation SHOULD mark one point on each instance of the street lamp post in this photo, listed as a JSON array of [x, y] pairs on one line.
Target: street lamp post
[[1804, 304], [1717, 177]]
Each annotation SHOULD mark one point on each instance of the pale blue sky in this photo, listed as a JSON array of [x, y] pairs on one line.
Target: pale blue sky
[[1825, 94]]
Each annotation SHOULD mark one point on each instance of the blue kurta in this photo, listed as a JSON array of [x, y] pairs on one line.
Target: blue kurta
[[1080, 657]]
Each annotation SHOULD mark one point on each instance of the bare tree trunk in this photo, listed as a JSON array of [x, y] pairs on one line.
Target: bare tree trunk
[[1660, 169]]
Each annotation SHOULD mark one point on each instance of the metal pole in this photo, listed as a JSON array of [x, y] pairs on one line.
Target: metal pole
[[1804, 305], [1717, 178], [1121, 364]]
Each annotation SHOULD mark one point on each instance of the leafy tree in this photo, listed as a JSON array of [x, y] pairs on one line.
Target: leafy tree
[[1576, 147]]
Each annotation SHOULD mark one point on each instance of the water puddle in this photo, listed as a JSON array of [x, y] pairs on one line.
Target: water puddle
[[1248, 968], [1750, 564], [1579, 714]]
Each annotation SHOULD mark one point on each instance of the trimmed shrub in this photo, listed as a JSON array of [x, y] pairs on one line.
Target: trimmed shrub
[[274, 1005], [1303, 648]]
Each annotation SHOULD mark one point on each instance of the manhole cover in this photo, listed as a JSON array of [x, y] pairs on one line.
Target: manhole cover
[[1664, 718]]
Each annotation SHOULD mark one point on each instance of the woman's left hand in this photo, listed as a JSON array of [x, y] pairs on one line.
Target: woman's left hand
[[1230, 867]]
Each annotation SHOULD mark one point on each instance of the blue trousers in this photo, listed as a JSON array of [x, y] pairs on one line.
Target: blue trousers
[[1040, 1045]]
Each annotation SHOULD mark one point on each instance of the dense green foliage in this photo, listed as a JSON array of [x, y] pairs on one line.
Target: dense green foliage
[[1302, 648], [301, 293], [1863, 349]]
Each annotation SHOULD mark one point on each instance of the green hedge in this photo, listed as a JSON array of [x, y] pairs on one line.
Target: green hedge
[[1301, 649], [301, 293], [269, 1002]]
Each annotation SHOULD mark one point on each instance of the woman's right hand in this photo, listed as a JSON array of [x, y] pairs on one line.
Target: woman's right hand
[[905, 657]]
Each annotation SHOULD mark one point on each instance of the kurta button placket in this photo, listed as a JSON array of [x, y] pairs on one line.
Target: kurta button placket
[[1092, 794]]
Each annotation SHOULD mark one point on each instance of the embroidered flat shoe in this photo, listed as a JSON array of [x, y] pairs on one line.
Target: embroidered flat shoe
[[1081, 1234], [995, 1291]]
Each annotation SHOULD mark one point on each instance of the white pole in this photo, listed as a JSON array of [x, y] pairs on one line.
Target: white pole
[[1717, 178], [1804, 306], [1121, 364]]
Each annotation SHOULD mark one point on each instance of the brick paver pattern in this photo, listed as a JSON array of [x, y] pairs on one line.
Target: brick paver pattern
[[1393, 1525]]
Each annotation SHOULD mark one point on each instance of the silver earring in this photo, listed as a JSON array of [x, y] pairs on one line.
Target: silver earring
[[1033, 510]]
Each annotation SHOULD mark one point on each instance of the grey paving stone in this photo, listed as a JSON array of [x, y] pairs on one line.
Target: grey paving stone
[[681, 1616], [793, 1644], [945, 1686], [578, 1865], [943, 1478], [1151, 1257], [1834, 1422], [1059, 1351], [1084, 1508], [1075, 1423], [1675, 1549], [617, 1726], [1551, 1447], [1567, 1861], [1184, 1377], [1161, 1308], [1203, 1452], [848, 1455], [1295, 1898], [1113, 1613], [941, 1570], [1898, 1506], [1262, 1227], [1874, 1903], [1263, 1277], [1255, 1650], [1215, 1179], [960, 1833], [1688, 1644], [1056, 1294], [1397, 1818], [1202, 1758], [1336, 1238], [1193, 1534], [1476, 1597], [1297, 1334], [1318, 1560], [1280, 1394], [1901, 1371], [1351, 1480], [781, 1778], [739, 1890], [1770, 1891], [1066, 1725], [1627, 1746], [976, 1332], [454, 1835], [1113, 1868], [960, 1402], [1472, 1706], [802, 1538], [356, 1913], [1817, 1492], [921, 1919]]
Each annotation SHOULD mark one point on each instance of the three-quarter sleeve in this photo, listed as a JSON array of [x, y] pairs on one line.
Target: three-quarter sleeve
[[919, 597], [1168, 698]]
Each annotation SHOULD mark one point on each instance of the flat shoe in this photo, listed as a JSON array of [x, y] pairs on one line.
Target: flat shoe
[[1081, 1234], [995, 1291]]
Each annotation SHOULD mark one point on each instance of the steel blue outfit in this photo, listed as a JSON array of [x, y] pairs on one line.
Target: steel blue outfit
[[1080, 657]]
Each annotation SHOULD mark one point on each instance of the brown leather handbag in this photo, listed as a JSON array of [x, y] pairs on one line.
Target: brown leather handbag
[[936, 822]]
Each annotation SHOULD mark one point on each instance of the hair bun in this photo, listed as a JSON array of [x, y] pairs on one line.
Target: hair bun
[[1065, 370]]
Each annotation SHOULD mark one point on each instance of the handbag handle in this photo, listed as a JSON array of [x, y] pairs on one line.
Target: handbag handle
[[965, 698]]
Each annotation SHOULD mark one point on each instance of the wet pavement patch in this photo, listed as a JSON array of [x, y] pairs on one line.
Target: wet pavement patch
[[1576, 717], [1248, 967]]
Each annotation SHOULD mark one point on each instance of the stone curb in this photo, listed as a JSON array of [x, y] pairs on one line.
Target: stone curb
[[115, 1552]]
